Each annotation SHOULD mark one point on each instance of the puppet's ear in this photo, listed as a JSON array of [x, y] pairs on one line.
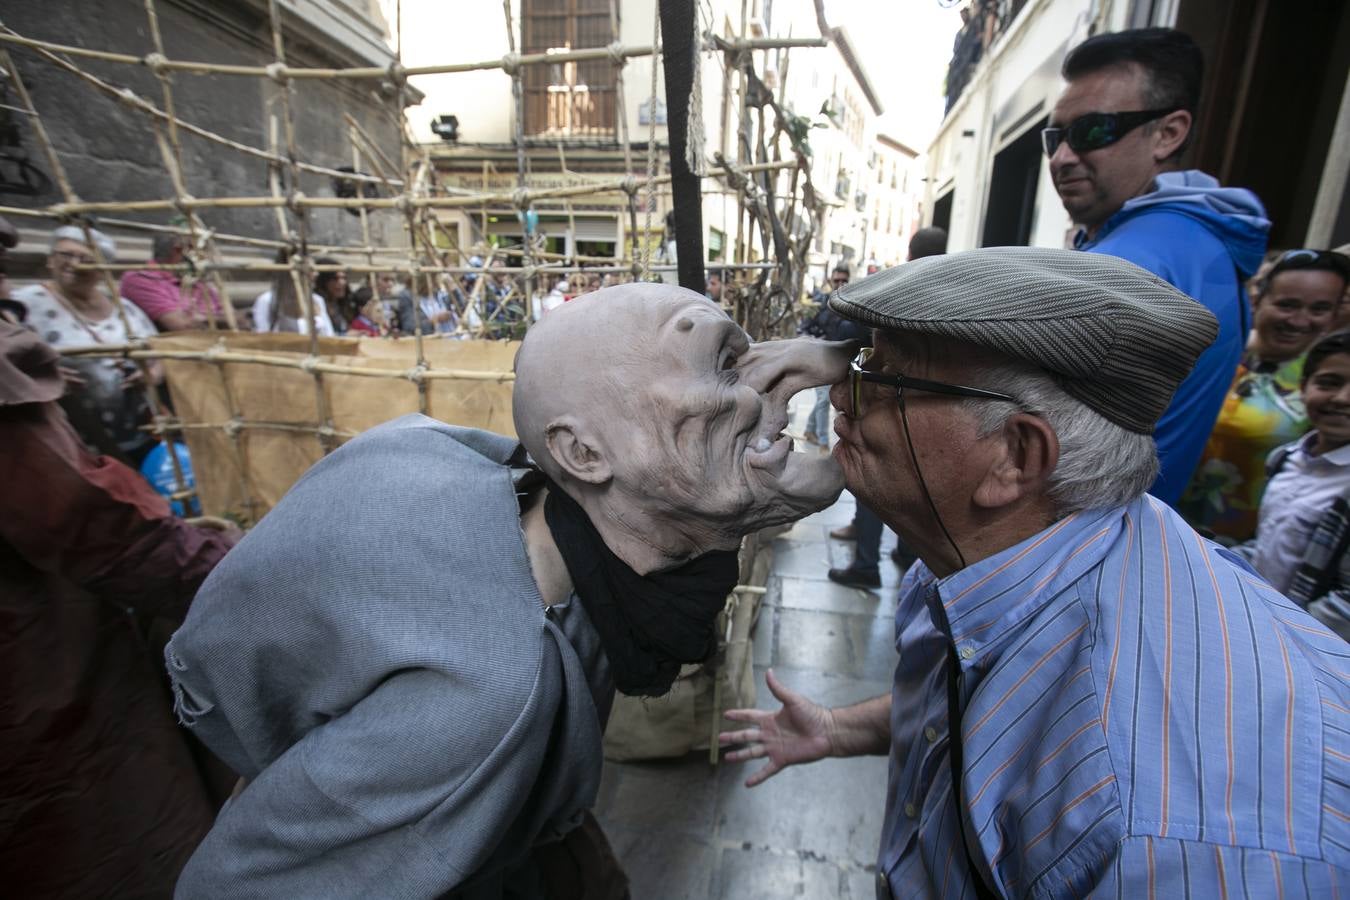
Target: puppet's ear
[[577, 452]]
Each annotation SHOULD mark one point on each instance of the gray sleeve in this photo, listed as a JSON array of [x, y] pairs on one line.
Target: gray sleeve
[[402, 796]]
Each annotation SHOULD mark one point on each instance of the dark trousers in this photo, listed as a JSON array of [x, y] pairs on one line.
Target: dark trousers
[[869, 526]]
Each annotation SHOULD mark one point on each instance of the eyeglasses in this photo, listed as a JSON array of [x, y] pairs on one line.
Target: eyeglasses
[[857, 375], [1094, 131], [80, 259]]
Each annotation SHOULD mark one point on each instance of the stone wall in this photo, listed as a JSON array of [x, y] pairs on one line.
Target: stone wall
[[109, 149]]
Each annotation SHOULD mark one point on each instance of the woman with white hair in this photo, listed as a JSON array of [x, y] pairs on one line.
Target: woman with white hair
[[71, 310]]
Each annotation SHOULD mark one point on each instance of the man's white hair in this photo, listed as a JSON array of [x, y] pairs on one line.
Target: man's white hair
[[1100, 464]]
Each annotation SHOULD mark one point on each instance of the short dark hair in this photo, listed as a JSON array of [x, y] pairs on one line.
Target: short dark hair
[[931, 241], [1173, 65], [1308, 260], [1327, 345], [842, 268], [162, 246]]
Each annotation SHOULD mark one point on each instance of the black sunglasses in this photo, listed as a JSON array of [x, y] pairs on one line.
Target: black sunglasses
[[1094, 131], [857, 375]]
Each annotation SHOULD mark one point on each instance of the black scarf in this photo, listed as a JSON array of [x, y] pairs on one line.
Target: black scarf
[[649, 625]]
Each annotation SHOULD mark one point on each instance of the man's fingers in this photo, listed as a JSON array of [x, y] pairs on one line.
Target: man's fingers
[[744, 736], [753, 752], [747, 715]]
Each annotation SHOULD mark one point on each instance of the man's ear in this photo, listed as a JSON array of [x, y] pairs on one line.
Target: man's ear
[[1028, 454], [1170, 134], [576, 452]]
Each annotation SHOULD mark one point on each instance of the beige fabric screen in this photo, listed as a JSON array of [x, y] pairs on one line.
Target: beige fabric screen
[[253, 428]]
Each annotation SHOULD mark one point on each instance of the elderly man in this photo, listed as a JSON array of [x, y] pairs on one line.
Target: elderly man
[[414, 678], [1127, 708], [1115, 143], [160, 293]]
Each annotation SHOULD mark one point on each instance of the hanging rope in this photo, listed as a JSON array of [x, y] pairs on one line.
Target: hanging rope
[[651, 154]]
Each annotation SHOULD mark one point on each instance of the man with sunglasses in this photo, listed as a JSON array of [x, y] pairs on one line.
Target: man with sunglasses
[[1115, 142], [1089, 698]]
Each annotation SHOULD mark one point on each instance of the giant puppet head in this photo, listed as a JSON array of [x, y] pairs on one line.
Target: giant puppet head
[[664, 421]]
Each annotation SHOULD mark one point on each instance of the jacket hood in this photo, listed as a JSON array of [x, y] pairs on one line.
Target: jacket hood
[[1234, 215]]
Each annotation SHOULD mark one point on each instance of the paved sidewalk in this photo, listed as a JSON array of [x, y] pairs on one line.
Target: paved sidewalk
[[685, 829]]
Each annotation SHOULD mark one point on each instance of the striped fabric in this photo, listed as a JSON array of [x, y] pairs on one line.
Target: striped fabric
[[1144, 717]]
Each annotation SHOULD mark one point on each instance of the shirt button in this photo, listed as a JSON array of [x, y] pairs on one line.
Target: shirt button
[[931, 733], [967, 652], [911, 810]]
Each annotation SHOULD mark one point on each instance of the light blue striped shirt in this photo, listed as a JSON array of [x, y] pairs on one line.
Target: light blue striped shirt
[[1144, 717]]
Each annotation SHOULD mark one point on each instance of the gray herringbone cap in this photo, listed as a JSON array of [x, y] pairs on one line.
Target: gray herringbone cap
[[1113, 335]]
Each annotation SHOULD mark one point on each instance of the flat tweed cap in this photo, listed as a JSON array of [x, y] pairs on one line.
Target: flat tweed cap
[[1113, 335]]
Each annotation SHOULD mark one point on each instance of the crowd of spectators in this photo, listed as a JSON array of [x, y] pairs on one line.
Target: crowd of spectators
[[1253, 448]]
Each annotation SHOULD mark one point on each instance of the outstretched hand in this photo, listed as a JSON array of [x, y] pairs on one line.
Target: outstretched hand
[[801, 731]]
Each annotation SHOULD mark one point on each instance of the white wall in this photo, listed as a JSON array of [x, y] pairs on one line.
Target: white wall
[[1017, 74]]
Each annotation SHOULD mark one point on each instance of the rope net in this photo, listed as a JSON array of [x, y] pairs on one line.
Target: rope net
[[239, 398]]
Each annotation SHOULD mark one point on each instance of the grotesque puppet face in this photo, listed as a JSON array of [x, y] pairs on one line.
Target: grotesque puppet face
[[660, 416]]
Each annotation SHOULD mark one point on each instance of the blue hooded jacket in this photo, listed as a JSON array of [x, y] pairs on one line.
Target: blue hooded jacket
[[1206, 240]]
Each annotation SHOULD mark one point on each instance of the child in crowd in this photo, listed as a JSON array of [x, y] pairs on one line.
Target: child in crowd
[[368, 318], [1304, 521]]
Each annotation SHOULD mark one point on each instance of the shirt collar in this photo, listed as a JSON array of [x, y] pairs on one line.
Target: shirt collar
[[1338, 457], [985, 600]]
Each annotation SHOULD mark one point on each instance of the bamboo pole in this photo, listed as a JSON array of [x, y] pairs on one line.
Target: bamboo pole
[[305, 363], [129, 97], [173, 162], [114, 294], [508, 63], [610, 186]]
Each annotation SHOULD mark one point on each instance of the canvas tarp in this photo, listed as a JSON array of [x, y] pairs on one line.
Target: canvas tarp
[[260, 456]]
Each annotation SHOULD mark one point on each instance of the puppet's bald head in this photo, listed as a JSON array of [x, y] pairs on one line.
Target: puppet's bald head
[[656, 412]]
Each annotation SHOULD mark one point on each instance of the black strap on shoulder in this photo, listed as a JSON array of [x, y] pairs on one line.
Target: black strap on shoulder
[[955, 754]]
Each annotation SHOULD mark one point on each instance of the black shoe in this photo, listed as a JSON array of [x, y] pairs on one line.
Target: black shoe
[[851, 577]]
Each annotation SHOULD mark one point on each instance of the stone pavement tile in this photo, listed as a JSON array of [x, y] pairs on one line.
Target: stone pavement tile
[[676, 795], [841, 513], [804, 559], [663, 865], [750, 873], [826, 596], [813, 640], [872, 643], [806, 530], [832, 808], [766, 624], [860, 884], [862, 646]]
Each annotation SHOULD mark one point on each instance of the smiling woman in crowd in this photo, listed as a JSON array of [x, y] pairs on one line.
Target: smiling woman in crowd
[[1297, 303]]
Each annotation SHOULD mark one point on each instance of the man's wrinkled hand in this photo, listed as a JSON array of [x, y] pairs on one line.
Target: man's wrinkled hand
[[800, 731]]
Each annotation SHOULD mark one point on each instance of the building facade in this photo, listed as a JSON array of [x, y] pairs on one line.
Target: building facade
[[989, 184], [575, 117], [110, 150]]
